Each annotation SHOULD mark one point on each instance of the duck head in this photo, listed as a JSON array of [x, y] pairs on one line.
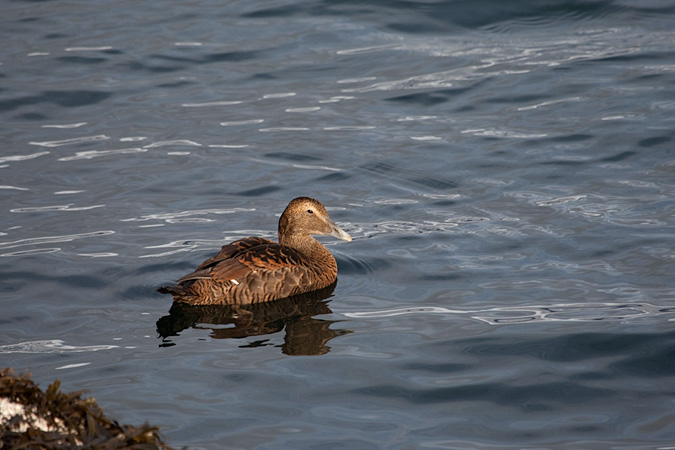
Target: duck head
[[306, 216]]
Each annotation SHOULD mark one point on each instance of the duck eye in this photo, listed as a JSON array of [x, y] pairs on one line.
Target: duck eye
[[310, 211]]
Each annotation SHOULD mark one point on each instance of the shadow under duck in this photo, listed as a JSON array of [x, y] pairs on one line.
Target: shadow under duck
[[255, 269]]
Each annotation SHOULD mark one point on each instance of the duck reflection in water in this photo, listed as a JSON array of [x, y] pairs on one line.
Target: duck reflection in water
[[305, 335]]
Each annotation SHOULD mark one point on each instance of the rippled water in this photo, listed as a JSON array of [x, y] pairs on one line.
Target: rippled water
[[506, 170]]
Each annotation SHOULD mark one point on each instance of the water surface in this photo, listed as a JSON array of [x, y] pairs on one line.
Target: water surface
[[505, 169]]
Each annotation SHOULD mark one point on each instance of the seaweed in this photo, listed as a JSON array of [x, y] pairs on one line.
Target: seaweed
[[32, 419]]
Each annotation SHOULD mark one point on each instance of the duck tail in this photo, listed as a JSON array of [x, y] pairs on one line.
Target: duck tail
[[173, 290]]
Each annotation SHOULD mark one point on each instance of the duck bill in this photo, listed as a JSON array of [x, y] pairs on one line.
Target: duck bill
[[338, 232]]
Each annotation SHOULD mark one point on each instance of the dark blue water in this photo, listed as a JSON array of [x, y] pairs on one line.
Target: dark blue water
[[506, 169]]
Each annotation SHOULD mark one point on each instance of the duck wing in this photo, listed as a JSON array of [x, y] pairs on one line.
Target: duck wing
[[230, 250], [235, 261]]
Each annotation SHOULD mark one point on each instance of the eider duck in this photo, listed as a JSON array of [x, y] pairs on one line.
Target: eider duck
[[255, 269]]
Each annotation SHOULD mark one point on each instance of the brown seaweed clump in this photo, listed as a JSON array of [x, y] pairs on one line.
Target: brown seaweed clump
[[32, 419]]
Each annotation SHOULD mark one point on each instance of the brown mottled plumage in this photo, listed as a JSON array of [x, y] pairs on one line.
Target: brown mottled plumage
[[254, 269]]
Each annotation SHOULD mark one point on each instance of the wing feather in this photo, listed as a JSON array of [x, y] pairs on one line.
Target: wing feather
[[228, 251], [237, 260]]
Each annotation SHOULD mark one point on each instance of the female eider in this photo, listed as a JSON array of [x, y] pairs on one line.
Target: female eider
[[255, 269]]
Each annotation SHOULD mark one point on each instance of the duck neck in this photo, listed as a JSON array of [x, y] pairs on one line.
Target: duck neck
[[309, 247]]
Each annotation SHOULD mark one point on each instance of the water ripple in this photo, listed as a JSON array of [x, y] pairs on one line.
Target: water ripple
[[204, 244], [280, 95], [54, 208], [174, 142], [235, 123], [54, 239], [426, 138], [304, 109], [549, 103], [349, 128], [88, 49], [562, 312], [620, 210], [362, 50], [268, 130], [72, 366], [360, 265], [312, 167], [66, 126], [51, 346], [14, 188], [492, 132], [208, 104], [337, 99], [182, 246], [21, 157], [99, 255], [80, 140], [393, 228], [169, 217], [90, 154], [35, 251]]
